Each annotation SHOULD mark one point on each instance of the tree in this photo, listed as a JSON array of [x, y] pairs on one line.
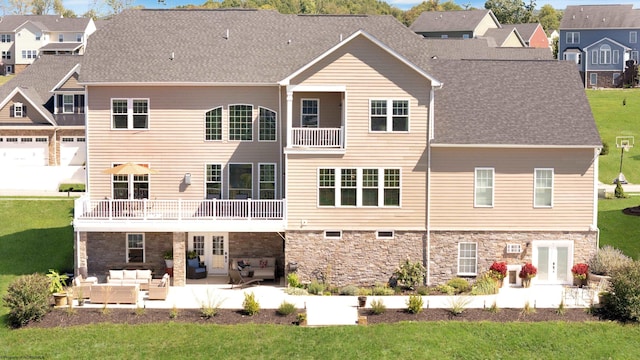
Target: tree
[[19, 7], [549, 18], [432, 5], [41, 7], [511, 11], [118, 5]]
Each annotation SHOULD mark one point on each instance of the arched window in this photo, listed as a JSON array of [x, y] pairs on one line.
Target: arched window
[[605, 54]]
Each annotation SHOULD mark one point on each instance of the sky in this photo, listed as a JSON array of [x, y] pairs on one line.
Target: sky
[[82, 6]]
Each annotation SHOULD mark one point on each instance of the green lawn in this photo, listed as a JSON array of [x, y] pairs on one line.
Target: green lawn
[[615, 119], [617, 229], [5, 78]]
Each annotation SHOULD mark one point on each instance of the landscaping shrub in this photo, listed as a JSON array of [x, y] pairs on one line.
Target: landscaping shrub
[[607, 260], [423, 290], [410, 274], [209, 308], [27, 299], [378, 307], [71, 187], [293, 280], [364, 291], [605, 148], [415, 304], [486, 284], [619, 191], [286, 308], [459, 284], [623, 302], [458, 304], [446, 289], [350, 290], [250, 304], [296, 291], [315, 288]]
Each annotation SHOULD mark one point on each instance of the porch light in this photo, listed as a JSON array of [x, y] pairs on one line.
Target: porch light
[[187, 179]]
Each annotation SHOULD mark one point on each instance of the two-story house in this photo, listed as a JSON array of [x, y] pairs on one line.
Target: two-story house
[[533, 35], [600, 39], [331, 143], [464, 24], [24, 37]]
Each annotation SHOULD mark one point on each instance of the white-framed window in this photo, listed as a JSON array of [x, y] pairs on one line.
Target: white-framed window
[[573, 57], [120, 185], [130, 113], [68, 139], [29, 54], [483, 192], [5, 38], [213, 181], [266, 124], [42, 139], [79, 37], [6, 55], [634, 56], [240, 181], [359, 187], [38, 36], [135, 248], [267, 183], [60, 37], [333, 234], [309, 113], [213, 124], [241, 122], [615, 56], [594, 57], [593, 79], [573, 37], [18, 110], [633, 37], [605, 54], [384, 234], [389, 115], [543, 188], [467, 258], [67, 103]]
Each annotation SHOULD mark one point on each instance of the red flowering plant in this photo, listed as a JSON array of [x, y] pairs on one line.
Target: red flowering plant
[[580, 271], [498, 270], [528, 271]]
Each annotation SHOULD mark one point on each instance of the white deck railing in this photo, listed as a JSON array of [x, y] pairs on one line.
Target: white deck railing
[[317, 137], [86, 209]]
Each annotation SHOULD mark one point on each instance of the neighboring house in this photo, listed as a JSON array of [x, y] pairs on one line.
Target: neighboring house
[[600, 39], [480, 49], [42, 125], [533, 35], [465, 24], [505, 37], [24, 37], [334, 145]]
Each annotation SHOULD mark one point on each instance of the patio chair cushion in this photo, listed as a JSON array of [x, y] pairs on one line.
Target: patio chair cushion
[[130, 275], [194, 263], [200, 270], [116, 274]]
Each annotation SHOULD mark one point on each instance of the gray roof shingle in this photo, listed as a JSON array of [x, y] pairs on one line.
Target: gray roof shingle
[[526, 31], [480, 49], [9, 23], [600, 16], [445, 21], [524, 105], [500, 35]]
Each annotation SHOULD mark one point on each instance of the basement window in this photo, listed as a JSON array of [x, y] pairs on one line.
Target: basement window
[[384, 234], [333, 234]]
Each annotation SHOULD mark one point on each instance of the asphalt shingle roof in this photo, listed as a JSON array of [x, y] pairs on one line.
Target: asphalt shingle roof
[[9, 23], [512, 103], [525, 30], [445, 21], [500, 35], [600, 16], [480, 49]]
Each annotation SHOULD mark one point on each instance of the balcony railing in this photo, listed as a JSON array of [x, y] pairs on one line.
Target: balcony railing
[[86, 209], [317, 137]]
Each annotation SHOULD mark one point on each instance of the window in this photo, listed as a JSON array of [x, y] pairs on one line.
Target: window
[[465, 36], [573, 37], [240, 181], [267, 181], [79, 37], [5, 38], [593, 79], [18, 110], [68, 139], [310, 115], [38, 36], [130, 113], [444, 36], [594, 56], [267, 125], [135, 248], [369, 187], [543, 188], [6, 55], [384, 234], [633, 37], [634, 56], [381, 119], [333, 234], [616, 57], [67, 104], [213, 124], [120, 185], [29, 54], [60, 38], [240, 121], [605, 54], [484, 187], [326, 187], [573, 57], [213, 181], [467, 258]]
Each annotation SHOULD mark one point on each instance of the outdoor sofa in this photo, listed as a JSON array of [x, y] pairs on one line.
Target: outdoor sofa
[[257, 268], [130, 277], [114, 294]]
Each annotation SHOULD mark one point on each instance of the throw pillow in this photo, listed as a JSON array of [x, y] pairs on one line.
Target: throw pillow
[[263, 263]]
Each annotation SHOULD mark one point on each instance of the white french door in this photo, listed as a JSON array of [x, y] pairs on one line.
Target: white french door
[[553, 260], [213, 249]]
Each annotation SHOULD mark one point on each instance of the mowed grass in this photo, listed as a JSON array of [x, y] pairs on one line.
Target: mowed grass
[[615, 119], [435, 340], [617, 229]]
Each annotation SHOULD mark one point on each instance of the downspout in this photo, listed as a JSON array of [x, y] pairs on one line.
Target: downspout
[[282, 160], [596, 170], [430, 130], [55, 147]]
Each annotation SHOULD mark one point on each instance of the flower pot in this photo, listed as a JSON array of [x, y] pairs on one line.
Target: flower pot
[[579, 282], [168, 263], [526, 282], [60, 299], [362, 320], [362, 301], [597, 278]]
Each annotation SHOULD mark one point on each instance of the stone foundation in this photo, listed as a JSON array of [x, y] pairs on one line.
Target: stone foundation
[[358, 258]]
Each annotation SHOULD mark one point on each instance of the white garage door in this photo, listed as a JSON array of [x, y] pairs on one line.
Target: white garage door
[[24, 151], [73, 151]]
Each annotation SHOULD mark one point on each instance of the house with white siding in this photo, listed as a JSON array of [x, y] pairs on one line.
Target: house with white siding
[[333, 144]]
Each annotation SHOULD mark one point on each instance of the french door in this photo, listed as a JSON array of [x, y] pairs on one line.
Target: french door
[[213, 249], [553, 260]]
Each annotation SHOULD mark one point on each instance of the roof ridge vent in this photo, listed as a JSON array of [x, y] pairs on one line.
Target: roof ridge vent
[[226, 36]]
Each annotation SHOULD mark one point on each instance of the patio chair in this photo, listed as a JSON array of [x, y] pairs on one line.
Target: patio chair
[[195, 270], [237, 279]]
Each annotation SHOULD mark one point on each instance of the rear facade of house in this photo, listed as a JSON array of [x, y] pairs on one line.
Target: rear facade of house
[[320, 148]]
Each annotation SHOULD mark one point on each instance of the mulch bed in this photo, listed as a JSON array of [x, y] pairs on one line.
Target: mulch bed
[[84, 316], [635, 211]]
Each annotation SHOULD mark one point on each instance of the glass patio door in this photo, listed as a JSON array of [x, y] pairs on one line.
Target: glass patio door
[[213, 248], [553, 259]]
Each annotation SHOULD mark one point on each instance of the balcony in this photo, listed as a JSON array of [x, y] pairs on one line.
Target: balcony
[[179, 215], [320, 138]]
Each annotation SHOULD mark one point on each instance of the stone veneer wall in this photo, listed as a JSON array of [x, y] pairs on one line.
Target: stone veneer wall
[[179, 258], [107, 249], [358, 258], [492, 247], [255, 245]]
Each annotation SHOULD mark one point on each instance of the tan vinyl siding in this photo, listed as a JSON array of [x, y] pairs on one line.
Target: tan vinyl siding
[[452, 189], [329, 104], [484, 25], [33, 116], [512, 41], [72, 84], [174, 143], [368, 72]]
